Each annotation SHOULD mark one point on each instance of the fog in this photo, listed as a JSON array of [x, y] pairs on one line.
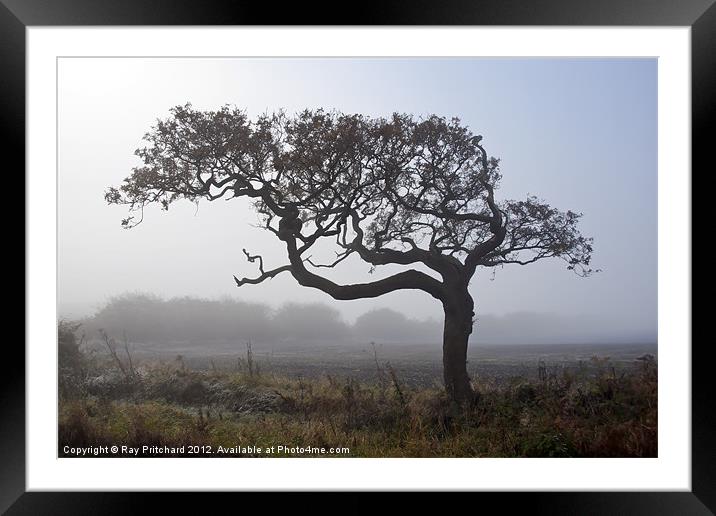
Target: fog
[[206, 323], [578, 133]]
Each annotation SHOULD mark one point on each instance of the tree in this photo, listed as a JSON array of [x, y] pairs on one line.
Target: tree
[[401, 190], [388, 325]]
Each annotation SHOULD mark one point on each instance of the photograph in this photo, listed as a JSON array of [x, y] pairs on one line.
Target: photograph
[[344, 257]]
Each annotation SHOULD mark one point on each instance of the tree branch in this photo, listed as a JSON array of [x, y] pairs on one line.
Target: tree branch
[[264, 275], [339, 258], [407, 280]]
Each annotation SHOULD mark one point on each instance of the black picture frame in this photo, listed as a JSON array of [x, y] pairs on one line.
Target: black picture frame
[[700, 15]]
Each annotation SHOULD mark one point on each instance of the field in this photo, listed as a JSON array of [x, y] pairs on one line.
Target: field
[[418, 365], [368, 400]]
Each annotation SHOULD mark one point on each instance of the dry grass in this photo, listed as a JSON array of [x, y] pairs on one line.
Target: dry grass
[[569, 413]]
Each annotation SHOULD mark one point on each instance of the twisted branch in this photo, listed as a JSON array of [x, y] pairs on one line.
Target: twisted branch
[[264, 274]]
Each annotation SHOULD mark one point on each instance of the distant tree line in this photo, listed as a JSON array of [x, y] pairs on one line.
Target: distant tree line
[[151, 319], [148, 318]]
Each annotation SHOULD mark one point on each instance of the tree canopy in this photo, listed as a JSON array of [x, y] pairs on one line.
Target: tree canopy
[[398, 190]]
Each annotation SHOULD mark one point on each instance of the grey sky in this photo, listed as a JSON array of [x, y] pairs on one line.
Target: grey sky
[[578, 133]]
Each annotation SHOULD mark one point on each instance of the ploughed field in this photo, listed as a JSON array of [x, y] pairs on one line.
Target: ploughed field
[[417, 365]]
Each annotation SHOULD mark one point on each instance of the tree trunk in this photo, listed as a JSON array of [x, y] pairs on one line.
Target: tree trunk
[[458, 327]]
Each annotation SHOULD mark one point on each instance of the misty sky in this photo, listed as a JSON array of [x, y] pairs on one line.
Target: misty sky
[[578, 133]]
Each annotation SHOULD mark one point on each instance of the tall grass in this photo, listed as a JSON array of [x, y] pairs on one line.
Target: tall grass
[[582, 412]]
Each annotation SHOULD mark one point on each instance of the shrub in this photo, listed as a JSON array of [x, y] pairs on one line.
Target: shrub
[[70, 360]]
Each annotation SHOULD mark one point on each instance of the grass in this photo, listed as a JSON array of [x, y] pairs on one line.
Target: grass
[[590, 411]]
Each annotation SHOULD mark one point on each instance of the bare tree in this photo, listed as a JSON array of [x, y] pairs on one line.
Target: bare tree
[[112, 348], [392, 191]]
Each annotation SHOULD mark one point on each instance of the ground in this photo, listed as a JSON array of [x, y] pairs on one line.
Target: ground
[[364, 401]]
